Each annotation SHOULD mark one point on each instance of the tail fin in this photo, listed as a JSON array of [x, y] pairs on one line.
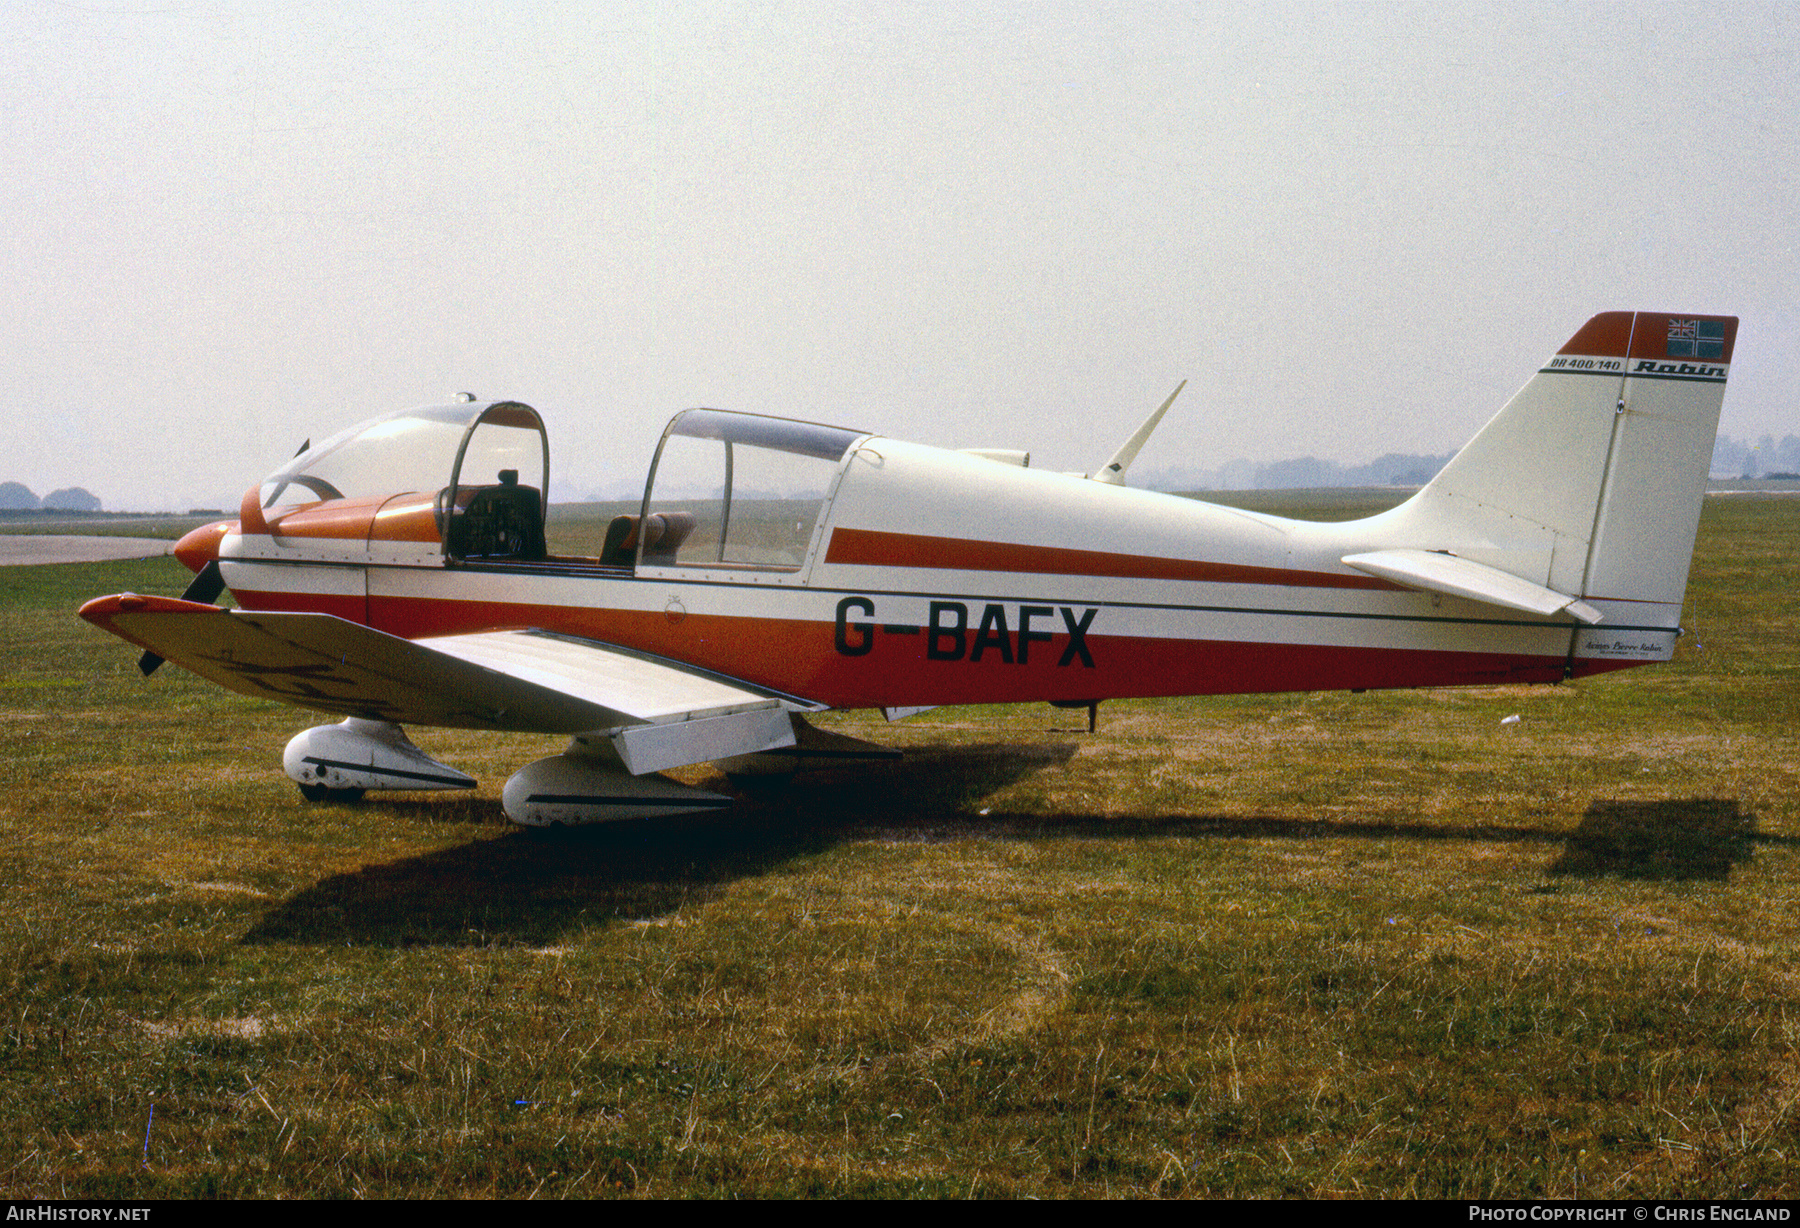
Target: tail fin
[[1590, 480]]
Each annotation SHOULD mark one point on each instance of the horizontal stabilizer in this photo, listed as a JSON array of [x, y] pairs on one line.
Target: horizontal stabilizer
[[1446, 573]]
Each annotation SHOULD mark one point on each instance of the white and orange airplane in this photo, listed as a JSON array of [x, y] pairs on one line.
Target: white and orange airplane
[[397, 574]]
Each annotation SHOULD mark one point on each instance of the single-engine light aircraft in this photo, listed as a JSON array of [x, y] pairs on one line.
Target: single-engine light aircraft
[[397, 574]]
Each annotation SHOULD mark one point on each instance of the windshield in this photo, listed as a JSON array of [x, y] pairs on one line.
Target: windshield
[[416, 450]]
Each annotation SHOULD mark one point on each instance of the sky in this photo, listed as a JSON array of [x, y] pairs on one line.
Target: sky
[[1355, 229]]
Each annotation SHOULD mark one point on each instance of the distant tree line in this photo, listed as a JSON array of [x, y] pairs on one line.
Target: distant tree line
[[1733, 458], [1393, 469], [1730, 458]]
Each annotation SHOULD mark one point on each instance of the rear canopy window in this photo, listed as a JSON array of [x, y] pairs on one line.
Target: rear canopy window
[[740, 490]]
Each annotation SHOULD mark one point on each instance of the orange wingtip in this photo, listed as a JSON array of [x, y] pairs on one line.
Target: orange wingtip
[[101, 610]]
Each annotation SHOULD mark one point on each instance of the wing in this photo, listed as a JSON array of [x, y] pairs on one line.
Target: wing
[[662, 713]]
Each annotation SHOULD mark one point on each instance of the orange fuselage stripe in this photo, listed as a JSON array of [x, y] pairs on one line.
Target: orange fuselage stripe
[[875, 548]]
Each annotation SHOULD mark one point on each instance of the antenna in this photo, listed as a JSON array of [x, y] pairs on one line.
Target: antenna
[[1113, 471]]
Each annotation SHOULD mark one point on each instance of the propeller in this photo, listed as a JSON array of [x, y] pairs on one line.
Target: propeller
[[205, 587]]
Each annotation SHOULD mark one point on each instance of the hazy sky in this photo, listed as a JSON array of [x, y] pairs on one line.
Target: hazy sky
[[1356, 228]]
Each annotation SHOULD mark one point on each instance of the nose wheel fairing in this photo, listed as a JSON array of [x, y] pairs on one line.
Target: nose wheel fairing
[[357, 754]]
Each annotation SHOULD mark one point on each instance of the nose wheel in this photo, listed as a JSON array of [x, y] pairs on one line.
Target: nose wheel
[[325, 793]]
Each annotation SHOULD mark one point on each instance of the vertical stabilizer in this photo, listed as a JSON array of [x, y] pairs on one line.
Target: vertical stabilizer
[[1589, 482]]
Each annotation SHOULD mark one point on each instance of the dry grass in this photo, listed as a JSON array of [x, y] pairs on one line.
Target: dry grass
[[1287, 945]]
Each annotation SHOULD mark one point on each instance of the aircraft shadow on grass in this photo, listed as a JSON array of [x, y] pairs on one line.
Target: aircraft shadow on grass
[[531, 888], [1675, 839], [1684, 838]]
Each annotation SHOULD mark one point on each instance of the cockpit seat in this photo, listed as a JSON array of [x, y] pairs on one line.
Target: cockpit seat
[[621, 542], [664, 532]]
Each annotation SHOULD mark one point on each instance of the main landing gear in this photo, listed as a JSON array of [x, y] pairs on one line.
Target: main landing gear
[[1092, 706], [587, 783]]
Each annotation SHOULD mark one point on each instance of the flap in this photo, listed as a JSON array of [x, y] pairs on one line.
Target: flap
[[1445, 573]]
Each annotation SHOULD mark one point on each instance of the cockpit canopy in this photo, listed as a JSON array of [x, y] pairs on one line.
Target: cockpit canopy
[[731, 491], [726, 492], [485, 468]]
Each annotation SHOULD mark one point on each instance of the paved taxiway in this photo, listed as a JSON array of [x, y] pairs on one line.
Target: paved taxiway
[[26, 548]]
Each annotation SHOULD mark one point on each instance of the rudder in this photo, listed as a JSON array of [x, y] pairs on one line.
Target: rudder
[[1664, 430]]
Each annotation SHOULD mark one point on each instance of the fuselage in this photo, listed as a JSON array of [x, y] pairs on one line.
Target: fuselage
[[931, 577]]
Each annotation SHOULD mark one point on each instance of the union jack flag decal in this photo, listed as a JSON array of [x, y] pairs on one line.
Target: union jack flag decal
[[1696, 339]]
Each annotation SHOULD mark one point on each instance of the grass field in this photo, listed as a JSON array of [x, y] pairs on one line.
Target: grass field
[[1327, 944]]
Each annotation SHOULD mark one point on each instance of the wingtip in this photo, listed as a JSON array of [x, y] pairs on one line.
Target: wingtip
[[102, 610]]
